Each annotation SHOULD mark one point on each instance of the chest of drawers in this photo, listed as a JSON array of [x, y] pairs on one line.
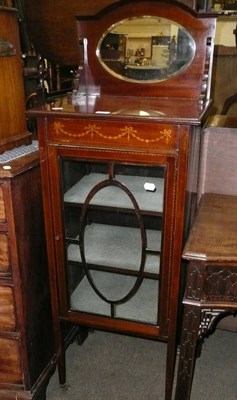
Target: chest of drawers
[[27, 356]]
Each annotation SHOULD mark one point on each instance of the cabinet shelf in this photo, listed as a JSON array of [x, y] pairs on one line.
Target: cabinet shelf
[[142, 307], [112, 196], [118, 247]]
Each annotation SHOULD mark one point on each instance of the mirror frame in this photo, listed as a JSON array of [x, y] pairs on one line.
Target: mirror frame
[[194, 82]]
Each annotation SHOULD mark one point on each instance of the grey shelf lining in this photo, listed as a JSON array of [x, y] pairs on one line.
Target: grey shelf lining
[[114, 197], [143, 307], [117, 246]]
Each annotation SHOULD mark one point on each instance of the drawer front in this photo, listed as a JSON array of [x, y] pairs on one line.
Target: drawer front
[[2, 206], [7, 309], [4, 254], [113, 134], [10, 365]]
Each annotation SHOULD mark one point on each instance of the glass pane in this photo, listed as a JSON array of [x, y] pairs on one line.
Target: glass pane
[[113, 218]]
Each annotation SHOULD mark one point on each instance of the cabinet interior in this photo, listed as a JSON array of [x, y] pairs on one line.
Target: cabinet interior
[[113, 229]]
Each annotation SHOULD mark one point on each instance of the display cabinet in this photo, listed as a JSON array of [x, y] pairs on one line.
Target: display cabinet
[[119, 161]]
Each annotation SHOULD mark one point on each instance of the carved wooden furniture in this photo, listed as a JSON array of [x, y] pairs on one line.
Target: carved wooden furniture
[[211, 290], [119, 168], [27, 356], [218, 168]]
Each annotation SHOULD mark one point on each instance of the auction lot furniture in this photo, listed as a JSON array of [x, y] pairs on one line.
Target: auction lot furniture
[[211, 287], [119, 169]]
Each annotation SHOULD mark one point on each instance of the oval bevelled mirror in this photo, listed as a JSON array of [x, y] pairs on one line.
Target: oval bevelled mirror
[[146, 49]]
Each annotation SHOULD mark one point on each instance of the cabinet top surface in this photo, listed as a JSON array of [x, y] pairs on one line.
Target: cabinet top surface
[[214, 233], [123, 107]]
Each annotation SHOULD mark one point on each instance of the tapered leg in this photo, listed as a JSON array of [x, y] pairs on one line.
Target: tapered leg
[[61, 362], [170, 366]]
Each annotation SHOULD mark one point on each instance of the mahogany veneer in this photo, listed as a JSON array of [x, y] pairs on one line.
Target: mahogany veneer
[[103, 143]]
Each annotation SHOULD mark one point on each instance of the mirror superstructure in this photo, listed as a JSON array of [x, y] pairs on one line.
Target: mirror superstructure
[[143, 50]]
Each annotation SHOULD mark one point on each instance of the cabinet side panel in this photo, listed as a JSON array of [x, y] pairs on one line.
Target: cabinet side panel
[[33, 266]]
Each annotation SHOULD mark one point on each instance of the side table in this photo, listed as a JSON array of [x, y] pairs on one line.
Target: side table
[[211, 286]]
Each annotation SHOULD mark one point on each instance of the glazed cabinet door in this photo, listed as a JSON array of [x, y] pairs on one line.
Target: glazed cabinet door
[[114, 237]]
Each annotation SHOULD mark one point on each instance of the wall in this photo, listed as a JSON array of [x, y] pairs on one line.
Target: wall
[[52, 25], [224, 31]]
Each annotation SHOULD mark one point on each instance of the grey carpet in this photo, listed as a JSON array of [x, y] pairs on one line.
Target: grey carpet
[[116, 367]]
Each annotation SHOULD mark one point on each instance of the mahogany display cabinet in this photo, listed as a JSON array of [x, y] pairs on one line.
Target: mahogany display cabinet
[[119, 163]]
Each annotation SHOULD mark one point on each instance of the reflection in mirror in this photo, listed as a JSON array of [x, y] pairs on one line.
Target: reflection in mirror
[[146, 49]]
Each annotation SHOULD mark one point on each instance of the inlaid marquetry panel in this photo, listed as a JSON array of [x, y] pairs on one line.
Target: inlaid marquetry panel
[[4, 254], [7, 309], [126, 134]]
